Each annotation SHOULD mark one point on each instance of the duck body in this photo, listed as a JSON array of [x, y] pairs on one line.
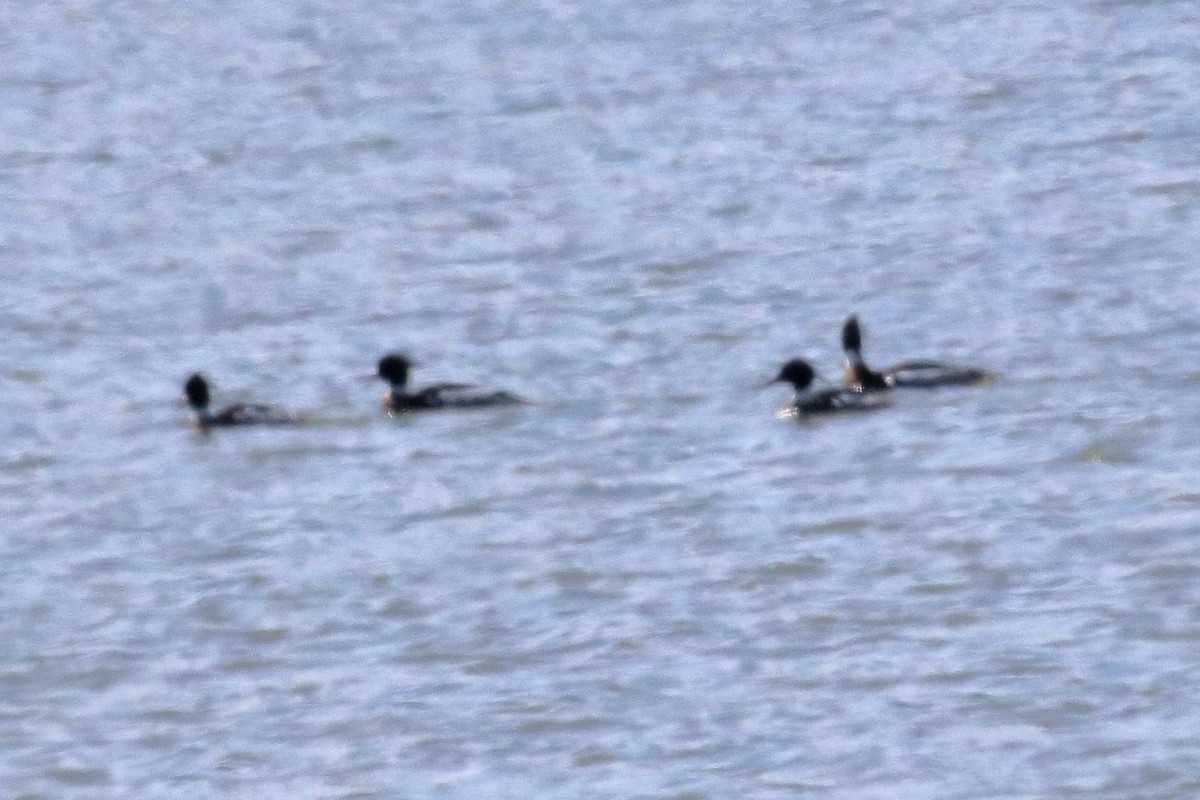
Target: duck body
[[196, 393], [916, 374], [399, 399], [828, 401], [931, 374], [447, 395]]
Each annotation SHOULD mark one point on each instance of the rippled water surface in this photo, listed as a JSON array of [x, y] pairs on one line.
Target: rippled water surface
[[644, 585]]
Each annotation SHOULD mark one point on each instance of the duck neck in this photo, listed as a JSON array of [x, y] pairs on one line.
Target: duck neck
[[397, 391], [806, 393], [860, 376]]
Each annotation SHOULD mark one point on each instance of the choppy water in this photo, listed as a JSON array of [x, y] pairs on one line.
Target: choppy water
[[643, 586]]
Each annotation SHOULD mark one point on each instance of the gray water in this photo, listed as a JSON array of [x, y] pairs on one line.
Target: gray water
[[644, 585]]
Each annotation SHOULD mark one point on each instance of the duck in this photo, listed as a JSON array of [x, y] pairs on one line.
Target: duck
[[800, 374], [917, 374], [196, 395], [394, 368]]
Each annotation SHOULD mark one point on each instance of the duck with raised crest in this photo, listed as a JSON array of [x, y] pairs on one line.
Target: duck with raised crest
[[911, 374]]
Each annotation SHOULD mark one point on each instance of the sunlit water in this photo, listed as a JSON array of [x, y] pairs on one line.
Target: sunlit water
[[644, 585]]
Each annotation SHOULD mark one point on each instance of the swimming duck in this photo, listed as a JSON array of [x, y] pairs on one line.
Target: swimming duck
[[800, 374], [195, 392], [913, 374], [394, 368]]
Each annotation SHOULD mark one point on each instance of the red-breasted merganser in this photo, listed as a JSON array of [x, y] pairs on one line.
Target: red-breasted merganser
[[914, 374], [800, 374], [394, 369], [195, 391]]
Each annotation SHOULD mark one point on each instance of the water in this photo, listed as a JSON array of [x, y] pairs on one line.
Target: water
[[643, 586]]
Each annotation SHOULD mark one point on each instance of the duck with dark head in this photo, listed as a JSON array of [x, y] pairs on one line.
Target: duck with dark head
[[394, 369], [808, 400], [195, 393]]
